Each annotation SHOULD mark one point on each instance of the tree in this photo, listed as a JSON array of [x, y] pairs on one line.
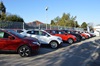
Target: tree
[[70, 23], [6, 17], [14, 18], [76, 24], [84, 25], [2, 8], [10, 18], [3, 17], [52, 22], [57, 19], [66, 20]]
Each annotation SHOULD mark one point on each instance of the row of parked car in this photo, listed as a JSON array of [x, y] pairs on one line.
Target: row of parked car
[[26, 41]]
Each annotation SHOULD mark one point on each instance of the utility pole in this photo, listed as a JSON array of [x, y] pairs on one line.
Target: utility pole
[[46, 16]]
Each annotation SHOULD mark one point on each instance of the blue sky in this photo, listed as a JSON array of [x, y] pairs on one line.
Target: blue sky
[[31, 10]]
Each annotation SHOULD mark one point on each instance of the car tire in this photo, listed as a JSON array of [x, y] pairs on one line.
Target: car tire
[[88, 37], [54, 44], [70, 41], [24, 51]]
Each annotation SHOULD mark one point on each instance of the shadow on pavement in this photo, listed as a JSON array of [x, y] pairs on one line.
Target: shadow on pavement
[[74, 55], [44, 49], [67, 55], [96, 61]]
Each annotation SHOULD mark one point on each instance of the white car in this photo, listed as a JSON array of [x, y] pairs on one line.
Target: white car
[[87, 34], [44, 37]]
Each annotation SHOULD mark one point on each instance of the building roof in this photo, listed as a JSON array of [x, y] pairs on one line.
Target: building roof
[[34, 23]]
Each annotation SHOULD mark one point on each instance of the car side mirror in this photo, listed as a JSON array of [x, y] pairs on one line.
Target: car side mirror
[[11, 37]]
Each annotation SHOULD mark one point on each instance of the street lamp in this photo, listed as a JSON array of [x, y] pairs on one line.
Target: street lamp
[[46, 15]]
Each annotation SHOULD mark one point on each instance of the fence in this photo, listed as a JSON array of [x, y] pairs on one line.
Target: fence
[[23, 25]]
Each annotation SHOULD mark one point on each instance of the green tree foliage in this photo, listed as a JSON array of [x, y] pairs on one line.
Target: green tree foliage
[[76, 24], [66, 20], [2, 7], [10, 18], [52, 22], [57, 19], [5, 17], [14, 18], [84, 25]]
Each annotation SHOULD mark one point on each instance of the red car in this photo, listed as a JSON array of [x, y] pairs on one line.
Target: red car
[[65, 37], [84, 36], [13, 41]]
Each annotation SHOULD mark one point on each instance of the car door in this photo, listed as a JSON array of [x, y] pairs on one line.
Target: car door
[[2, 40], [34, 34], [5, 41], [9, 44], [44, 37], [37, 34]]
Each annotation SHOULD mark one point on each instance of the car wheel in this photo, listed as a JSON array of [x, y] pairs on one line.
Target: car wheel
[[24, 51], [54, 44], [87, 37], [70, 41]]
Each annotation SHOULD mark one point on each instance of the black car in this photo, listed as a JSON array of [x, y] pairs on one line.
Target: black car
[[78, 36]]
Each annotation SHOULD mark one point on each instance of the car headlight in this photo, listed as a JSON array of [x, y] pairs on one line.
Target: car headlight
[[36, 43], [59, 39]]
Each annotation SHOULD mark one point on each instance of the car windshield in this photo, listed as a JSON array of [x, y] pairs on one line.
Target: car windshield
[[16, 34]]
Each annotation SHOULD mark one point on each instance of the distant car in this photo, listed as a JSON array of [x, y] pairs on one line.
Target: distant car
[[13, 41], [93, 34], [84, 36], [18, 30], [89, 36], [65, 37], [78, 36], [44, 37]]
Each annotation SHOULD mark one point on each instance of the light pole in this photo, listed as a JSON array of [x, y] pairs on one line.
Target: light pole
[[0, 19], [46, 16], [23, 26]]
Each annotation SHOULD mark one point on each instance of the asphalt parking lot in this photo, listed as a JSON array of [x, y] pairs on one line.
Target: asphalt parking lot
[[84, 53]]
